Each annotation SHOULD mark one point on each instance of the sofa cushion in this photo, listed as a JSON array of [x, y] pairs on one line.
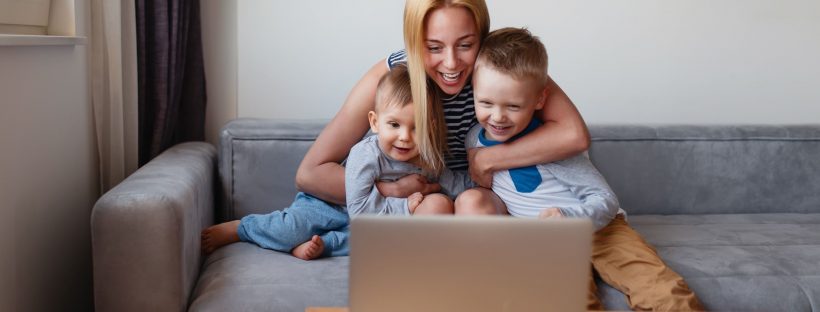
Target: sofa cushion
[[740, 262], [734, 209], [258, 159], [666, 169], [244, 277], [654, 169]]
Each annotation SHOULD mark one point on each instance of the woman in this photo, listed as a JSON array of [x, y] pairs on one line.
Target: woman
[[442, 40]]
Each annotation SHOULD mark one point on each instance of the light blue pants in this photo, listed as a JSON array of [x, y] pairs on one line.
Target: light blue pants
[[307, 216]]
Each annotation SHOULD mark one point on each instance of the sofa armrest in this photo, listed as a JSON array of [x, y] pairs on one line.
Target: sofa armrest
[[145, 232]]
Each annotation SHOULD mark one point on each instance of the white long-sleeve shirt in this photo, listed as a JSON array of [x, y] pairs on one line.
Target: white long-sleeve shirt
[[573, 185]]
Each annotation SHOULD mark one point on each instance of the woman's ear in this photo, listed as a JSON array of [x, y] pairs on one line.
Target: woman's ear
[[373, 118]]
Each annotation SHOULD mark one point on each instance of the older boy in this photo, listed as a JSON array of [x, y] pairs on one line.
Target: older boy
[[509, 79]]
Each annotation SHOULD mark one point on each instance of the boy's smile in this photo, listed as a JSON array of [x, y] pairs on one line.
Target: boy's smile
[[498, 131], [504, 105]]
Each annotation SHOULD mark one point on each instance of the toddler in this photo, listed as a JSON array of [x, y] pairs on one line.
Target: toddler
[[311, 228]]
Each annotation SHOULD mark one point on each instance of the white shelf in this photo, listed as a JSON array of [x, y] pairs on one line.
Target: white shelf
[[44, 40]]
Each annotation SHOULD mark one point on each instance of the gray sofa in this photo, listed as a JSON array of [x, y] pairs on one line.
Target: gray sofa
[[734, 209]]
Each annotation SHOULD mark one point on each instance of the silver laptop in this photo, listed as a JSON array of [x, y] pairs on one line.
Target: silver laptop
[[448, 263]]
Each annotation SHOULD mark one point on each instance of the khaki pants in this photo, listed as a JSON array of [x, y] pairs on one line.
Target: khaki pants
[[627, 263]]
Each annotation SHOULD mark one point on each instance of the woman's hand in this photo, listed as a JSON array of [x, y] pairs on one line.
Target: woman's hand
[[407, 185], [481, 173]]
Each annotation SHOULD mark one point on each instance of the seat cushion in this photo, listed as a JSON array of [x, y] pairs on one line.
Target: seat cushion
[[738, 262], [244, 277], [741, 262]]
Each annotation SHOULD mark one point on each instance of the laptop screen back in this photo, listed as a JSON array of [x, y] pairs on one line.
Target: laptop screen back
[[448, 263]]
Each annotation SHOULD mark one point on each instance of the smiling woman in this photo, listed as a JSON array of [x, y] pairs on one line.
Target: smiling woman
[[442, 39]]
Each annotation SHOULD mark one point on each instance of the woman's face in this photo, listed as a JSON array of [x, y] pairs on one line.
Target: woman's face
[[451, 47]]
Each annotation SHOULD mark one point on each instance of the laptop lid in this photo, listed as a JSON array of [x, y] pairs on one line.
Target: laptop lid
[[448, 263]]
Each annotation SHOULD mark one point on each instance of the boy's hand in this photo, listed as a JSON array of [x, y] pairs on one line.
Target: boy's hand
[[481, 176], [407, 185], [551, 213], [413, 201]]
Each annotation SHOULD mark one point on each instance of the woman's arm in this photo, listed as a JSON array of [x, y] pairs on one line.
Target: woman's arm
[[320, 173], [562, 135], [407, 185]]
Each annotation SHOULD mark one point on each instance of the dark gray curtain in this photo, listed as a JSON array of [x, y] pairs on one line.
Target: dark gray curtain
[[171, 75]]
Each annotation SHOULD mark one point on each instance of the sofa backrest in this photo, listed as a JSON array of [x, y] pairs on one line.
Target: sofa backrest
[[258, 159], [653, 169], [710, 169]]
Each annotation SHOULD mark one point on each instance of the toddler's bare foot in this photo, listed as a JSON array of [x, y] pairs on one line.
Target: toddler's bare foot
[[219, 235], [309, 250]]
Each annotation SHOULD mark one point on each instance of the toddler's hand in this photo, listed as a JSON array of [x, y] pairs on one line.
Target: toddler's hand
[[413, 201], [550, 213]]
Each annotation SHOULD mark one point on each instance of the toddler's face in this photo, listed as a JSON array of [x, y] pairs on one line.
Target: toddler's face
[[504, 106], [396, 127]]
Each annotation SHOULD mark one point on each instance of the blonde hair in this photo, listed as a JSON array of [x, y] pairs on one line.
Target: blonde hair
[[515, 52], [431, 129]]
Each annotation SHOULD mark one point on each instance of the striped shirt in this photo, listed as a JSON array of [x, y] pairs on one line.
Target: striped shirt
[[458, 114]]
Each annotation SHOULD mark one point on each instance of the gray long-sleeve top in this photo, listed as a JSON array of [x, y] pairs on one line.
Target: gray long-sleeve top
[[367, 164]]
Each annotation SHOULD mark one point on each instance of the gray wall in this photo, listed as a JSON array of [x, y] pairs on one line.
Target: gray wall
[[677, 61], [49, 176]]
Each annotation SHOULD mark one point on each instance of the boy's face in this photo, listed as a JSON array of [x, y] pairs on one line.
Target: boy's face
[[395, 127], [504, 106]]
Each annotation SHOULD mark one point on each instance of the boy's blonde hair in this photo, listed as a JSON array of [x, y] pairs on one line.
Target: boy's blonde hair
[[431, 129], [394, 90], [515, 52]]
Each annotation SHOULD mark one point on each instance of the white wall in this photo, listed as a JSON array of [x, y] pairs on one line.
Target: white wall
[[677, 61], [219, 44], [299, 59], [49, 176]]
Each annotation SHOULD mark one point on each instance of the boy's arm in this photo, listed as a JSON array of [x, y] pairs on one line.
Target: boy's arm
[[598, 201], [471, 139], [455, 182], [462, 180], [361, 173]]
